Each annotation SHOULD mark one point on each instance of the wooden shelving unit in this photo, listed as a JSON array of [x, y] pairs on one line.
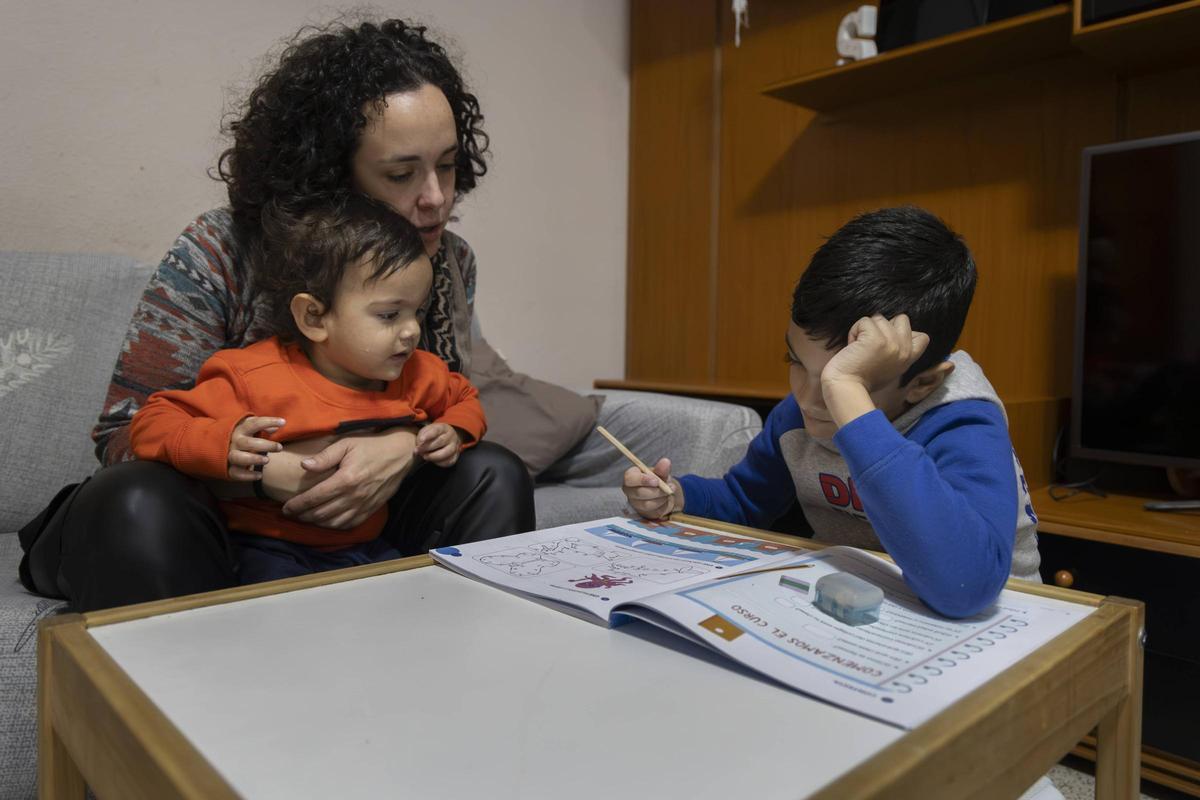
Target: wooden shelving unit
[[764, 392], [760, 397], [1156, 39], [1152, 40], [1120, 520], [988, 48]]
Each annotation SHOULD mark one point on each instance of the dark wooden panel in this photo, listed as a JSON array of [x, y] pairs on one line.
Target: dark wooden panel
[[1162, 103], [1033, 426], [1156, 39], [997, 157], [671, 189]]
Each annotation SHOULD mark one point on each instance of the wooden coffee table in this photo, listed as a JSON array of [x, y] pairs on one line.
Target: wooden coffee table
[[402, 679]]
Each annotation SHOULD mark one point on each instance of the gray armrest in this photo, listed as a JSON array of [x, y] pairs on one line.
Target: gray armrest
[[702, 437]]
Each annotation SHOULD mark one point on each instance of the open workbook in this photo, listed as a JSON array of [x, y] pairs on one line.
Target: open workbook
[[753, 601]]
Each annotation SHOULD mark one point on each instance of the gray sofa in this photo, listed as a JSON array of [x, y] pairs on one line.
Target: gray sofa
[[62, 321]]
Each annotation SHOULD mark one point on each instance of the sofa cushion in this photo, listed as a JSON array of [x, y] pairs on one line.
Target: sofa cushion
[[62, 321], [701, 437], [19, 615], [538, 421], [558, 504]]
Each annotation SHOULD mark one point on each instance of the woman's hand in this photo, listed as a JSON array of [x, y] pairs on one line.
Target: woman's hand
[[284, 476], [357, 474]]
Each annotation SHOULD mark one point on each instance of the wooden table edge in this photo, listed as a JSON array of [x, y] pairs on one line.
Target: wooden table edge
[[1088, 677], [97, 728], [234, 594]]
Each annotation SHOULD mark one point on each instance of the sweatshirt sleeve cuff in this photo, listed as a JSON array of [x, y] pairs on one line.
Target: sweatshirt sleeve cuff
[[469, 417], [202, 449], [695, 496], [866, 441]]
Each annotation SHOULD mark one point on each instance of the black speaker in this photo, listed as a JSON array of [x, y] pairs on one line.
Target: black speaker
[[905, 22]]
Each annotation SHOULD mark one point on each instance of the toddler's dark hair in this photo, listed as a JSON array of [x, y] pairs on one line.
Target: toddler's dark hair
[[892, 261], [311, 251]]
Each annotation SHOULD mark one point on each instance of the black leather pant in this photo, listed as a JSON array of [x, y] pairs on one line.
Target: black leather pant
[[142, 531]]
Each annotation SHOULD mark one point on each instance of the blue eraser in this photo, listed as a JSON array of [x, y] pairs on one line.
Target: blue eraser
[[848, 598]]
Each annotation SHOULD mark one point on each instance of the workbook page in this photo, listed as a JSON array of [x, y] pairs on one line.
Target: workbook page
[[594, 566], [901, 669]]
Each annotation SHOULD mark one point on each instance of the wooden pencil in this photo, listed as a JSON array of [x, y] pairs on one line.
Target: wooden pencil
[[637, 462]]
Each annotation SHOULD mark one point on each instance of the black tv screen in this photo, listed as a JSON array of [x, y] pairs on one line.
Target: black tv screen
[[1136, 394]]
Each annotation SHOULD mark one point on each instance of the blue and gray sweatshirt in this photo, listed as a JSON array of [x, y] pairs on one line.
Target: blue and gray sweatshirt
[[939, 488]]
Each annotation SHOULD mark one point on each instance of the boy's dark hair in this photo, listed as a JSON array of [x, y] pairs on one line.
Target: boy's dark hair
[[311, 251], [295, 135], [892, 261]]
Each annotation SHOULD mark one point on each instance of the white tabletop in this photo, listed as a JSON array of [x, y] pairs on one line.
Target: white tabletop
[[426, 684]]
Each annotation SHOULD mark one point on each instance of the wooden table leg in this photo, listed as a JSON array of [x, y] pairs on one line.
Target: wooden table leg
[[1119, 733], [58, 776]]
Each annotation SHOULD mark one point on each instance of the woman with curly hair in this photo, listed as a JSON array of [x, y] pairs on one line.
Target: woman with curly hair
[[372, 108]]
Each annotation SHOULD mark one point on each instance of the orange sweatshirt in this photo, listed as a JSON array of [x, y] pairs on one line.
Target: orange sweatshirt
[[190, 429]]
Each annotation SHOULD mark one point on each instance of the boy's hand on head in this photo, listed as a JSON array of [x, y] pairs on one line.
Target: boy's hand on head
[[877, 352], [247, 451], [646, 495], [439, 444]]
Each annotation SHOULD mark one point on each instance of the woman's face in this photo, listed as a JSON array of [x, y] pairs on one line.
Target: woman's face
[[406, 158]]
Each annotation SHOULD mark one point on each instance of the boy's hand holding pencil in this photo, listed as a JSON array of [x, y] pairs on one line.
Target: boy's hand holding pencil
[[647, 495], [653, 493]]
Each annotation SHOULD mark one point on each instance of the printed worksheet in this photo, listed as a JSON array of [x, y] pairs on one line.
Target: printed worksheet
[[592, 567], [760, 603], [902, 669]]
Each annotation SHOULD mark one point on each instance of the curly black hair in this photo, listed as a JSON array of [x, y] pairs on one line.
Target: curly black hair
[[295, 136]]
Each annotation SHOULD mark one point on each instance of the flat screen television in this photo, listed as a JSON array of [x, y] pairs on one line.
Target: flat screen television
[[1136, 396]]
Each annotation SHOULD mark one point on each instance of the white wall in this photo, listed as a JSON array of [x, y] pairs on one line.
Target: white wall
[[109, 119]]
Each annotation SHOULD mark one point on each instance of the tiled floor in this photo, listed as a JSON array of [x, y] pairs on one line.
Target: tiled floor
[[1074, 779]]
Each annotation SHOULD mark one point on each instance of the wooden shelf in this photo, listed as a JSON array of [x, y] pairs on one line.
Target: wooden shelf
[[987, 48], [1156, 39], [764, 392], [1118, 519]]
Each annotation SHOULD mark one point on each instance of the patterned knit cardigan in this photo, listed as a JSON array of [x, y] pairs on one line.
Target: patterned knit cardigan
[[201, 299]]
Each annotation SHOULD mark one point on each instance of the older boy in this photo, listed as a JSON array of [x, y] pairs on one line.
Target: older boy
[[888, 440]]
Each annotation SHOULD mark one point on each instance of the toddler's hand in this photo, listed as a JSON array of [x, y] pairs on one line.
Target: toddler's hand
[[878, 351], [439, 444], [247, 451], [646, 494]]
